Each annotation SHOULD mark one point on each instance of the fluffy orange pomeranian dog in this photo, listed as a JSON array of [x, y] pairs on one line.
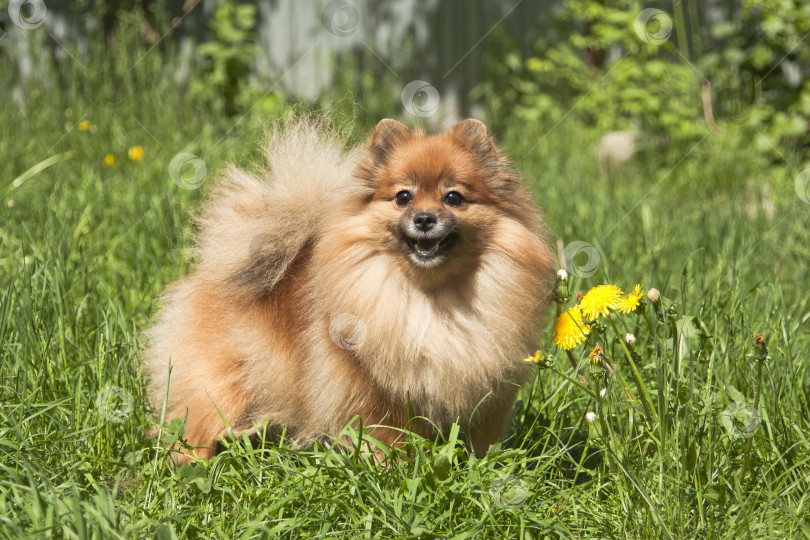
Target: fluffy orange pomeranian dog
[[401, 284]]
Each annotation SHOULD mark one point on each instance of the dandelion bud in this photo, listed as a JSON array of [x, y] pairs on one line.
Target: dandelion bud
[[760, 349], [653, 295], [590, 416], [597, 326], [595, 357], [630, 339], [603, 393], [596, 366], [561, 293]]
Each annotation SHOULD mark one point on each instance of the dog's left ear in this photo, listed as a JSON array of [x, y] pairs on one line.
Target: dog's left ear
[[472, 133]]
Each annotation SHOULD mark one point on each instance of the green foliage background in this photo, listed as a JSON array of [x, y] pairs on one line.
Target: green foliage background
[[617, 81], [715, 220]]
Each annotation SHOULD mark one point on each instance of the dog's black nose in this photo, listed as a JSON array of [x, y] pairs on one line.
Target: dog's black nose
[[424, 221]]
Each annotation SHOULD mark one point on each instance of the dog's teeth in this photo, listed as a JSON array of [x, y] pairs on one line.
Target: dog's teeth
[[428, 247]]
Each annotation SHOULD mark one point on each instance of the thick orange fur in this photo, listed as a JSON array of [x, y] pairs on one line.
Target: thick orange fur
[[304, 311]]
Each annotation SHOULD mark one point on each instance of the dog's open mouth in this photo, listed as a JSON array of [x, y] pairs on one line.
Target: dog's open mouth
[[428, 248]]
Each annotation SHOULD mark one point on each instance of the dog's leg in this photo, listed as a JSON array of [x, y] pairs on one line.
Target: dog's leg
[[207, 417], [491, 419]]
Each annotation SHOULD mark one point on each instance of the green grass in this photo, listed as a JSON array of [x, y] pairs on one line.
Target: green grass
[[86, 248]]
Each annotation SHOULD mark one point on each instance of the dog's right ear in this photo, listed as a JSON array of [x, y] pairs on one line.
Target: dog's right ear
[[387, 135]]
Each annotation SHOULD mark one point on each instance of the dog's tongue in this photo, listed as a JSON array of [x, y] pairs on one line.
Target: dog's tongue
[[427, 246]]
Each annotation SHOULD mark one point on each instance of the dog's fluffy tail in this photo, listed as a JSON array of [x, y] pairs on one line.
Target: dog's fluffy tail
[[251, 228]]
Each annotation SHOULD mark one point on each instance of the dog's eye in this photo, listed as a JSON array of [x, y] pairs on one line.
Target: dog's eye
[[403, 198], [453, 198]]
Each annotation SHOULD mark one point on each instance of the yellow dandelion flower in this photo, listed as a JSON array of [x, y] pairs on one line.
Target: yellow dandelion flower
[[84, 125], [135, 153], [535, 358], [600, 300], [109, 160], [632, 300], [569, 329]]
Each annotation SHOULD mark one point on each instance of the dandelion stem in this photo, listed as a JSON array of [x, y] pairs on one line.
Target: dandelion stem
[[645, 396], [759, 386], [582, 385], [623, 383], [755, 412], [574, 364]]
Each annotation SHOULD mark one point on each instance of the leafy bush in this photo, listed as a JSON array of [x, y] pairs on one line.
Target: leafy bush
[[619, 65], [760, 70], [228, 58]]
